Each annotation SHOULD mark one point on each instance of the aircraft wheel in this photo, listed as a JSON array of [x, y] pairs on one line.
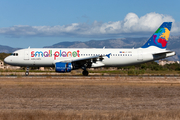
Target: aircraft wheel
[[26, 73], [85, 73]]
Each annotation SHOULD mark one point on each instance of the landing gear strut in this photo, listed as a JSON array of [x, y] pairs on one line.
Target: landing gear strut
[[27, 71], [85, 72]]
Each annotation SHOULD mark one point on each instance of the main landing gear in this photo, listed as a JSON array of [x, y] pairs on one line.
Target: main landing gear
[[27, 71], [85, 72]]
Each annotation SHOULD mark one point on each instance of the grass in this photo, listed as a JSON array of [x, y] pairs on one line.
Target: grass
[[10, 70], [162, 72], [109, 72], [136, 72]]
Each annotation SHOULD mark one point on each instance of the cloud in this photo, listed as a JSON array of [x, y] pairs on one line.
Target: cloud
[[131, 25]]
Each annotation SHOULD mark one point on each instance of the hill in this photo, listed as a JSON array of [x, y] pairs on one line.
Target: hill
[[7, 49], [174, 44], [109, 43]]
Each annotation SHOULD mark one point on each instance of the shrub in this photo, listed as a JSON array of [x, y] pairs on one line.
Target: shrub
[[135, 72]]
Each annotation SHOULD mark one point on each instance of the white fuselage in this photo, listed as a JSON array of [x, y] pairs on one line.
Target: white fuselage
[[118, 57]]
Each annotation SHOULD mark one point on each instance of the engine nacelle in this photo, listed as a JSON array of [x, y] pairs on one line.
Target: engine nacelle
[[63, 67]]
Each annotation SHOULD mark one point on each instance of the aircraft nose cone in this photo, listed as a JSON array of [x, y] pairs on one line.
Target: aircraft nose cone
[[6, 60]]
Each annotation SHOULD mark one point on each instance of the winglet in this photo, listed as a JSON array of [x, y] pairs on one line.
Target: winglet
[[160, 37]]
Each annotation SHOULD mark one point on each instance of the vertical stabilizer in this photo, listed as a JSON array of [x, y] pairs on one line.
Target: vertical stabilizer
[[160, 37]]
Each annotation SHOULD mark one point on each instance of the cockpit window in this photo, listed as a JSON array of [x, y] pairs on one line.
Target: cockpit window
[[14, 54]]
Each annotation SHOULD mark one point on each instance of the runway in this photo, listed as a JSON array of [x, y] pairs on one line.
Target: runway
[[91, 76], [91, 97]]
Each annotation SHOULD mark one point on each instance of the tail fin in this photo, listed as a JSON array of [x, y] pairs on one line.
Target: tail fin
[[160, 37]]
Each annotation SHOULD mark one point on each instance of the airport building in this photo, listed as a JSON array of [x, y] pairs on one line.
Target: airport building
[[164, 62]]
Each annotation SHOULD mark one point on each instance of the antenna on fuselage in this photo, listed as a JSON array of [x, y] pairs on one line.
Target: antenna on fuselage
[[104, 47]]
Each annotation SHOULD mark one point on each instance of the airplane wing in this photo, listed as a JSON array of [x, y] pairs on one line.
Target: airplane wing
[[100, 57], [85, 62]]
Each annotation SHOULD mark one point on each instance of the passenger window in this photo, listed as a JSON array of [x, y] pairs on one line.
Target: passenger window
[[16, 54]]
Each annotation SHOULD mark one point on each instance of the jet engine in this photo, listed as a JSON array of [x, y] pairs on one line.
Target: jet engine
[[63, 67]]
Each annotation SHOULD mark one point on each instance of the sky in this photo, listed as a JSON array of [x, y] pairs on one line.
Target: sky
[[39, 23]]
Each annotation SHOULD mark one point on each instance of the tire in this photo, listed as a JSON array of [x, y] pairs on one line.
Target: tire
[[85, 73], [26, 73]]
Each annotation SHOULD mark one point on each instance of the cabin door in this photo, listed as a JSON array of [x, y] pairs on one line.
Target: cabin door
[[26, 55], [139, 55]]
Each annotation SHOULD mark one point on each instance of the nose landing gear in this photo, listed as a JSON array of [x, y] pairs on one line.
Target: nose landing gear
[[27, 71]]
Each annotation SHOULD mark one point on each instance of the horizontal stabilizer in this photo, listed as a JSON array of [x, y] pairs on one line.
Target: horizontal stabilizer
[[158, 53]]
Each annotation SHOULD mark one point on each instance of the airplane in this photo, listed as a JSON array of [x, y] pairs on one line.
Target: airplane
[[67, 59]]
